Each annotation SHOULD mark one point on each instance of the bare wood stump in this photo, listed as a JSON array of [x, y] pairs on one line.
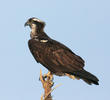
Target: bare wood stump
[[47, 82]]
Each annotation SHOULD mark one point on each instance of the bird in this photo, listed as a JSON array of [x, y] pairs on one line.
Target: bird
[[55, 56]]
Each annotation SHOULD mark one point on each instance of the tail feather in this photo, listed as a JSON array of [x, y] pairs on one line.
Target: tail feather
[[87, 77]]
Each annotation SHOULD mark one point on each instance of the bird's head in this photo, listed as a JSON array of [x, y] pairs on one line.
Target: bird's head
[[35, 23]]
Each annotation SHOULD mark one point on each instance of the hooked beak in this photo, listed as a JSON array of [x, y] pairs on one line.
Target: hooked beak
[[26, 24]]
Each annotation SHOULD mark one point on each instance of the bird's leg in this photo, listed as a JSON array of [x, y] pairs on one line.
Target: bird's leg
[[70, 76]]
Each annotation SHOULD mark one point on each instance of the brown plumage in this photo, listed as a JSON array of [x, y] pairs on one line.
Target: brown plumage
[[56, 57]]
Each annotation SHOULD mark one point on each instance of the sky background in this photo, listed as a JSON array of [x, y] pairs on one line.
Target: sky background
[[82, 25]]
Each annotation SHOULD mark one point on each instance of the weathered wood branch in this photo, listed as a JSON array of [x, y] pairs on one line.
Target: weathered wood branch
[[47, 82]]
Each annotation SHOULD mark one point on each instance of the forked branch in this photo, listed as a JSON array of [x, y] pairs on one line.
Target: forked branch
[[47, 82]]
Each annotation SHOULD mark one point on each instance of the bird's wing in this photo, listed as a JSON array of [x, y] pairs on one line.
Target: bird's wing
[[68, 60], [56, 57]]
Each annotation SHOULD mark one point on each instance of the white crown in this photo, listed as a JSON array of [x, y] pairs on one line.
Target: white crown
[[36, 19]]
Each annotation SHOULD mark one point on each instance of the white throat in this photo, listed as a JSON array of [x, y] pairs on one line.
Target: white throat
[[34, 30], [33, 27]]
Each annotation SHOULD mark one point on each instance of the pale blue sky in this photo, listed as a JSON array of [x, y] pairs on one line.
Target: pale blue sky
[[82, 25]]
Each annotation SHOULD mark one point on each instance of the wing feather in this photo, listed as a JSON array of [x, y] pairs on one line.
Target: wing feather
[[56, 57], [68, 60]]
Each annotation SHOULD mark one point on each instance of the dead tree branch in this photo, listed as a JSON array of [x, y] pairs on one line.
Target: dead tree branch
[[47, 82]]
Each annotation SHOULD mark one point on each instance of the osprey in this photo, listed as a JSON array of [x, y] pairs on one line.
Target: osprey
[[56, 57]]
